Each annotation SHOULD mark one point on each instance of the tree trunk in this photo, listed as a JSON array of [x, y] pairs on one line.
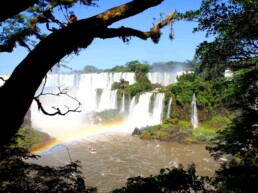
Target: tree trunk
[[17, 94]]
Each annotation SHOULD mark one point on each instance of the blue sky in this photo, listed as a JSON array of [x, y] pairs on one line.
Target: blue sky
[[108, 53]]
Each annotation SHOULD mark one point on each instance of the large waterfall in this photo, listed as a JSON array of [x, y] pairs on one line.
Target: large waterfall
[[94, 92]]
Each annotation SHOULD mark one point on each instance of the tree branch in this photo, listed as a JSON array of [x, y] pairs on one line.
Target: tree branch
[[8, 47], [11, 8], [57, 109], [124, 32]]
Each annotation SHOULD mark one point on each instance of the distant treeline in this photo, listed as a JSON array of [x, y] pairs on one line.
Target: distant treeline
[[135, 65]]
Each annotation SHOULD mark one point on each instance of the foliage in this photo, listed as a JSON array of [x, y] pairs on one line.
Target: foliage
[[216, 123], [210, 96], [234, 27], [134, 89], [173, 130], [90, 69], [136, 66], [208, 93], [169, 180], [132, 66], [19, 174], [118, 68], [142, 82], [120, 85], [30, 138], [24, 28], [145, 135], [237, 178], [239, 139]]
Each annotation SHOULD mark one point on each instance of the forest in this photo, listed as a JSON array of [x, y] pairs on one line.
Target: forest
[[228, 106]]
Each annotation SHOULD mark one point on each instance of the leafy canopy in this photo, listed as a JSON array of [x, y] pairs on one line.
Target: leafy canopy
[[233, 25]]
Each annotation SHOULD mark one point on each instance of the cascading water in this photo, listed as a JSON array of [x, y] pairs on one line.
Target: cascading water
[[158, 108], [141, 116], [122, 109], [163, 78], [194, 117], [108, 100], [93, 90], [139, 112], [169, 108], [90, 84]]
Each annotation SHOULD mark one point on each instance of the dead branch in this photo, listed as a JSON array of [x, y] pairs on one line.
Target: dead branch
[[57, 110], [1, 78]]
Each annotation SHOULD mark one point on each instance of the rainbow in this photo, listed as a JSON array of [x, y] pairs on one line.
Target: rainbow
[[84, 132]]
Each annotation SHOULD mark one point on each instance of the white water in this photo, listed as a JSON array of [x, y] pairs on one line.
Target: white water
[[139, 115], [94, 92], [108, 100], [165, 78], [95, 95], [122, 110], [158, 109], [194, 116], [169, 108]]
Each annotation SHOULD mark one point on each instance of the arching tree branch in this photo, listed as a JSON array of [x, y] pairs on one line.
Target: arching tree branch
[[28, 75]]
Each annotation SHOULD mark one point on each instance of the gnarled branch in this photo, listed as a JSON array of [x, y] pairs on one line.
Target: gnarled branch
[[57, 110], [123, 32]]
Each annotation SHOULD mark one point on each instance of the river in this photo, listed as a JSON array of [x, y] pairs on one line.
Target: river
[[121, 155]]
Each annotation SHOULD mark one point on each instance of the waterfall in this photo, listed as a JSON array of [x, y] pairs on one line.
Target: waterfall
[[132, 105], [108, 100], [194, 117], [169, 108], [94, 92], [86, 88], [122, 109], [139, 112], [139, 115], [158, 109], [163, 78], [113, 99]]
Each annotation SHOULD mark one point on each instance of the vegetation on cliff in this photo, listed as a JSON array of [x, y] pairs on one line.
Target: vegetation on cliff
[[30, 138], [213, 114]]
